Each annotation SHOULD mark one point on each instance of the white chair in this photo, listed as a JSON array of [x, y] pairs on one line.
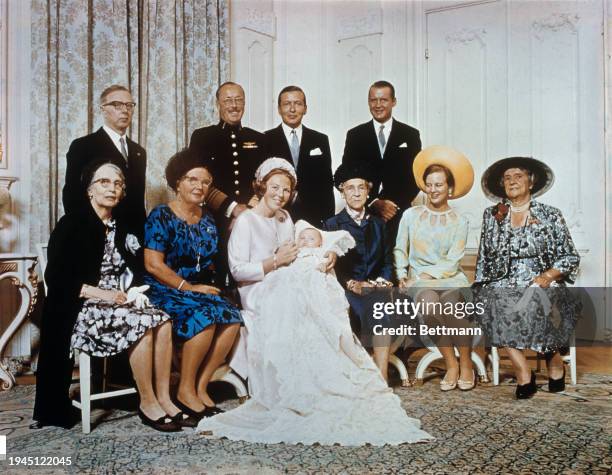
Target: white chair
[[395, 361], [84, 405], [433, 354], [223, 373], [569, 359]]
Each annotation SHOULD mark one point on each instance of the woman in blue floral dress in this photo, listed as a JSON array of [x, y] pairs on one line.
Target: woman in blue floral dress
[[181, 248]]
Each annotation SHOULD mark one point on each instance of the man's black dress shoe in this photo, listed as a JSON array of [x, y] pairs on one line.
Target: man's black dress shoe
[[525, 391], [557, 385], [163, 424]]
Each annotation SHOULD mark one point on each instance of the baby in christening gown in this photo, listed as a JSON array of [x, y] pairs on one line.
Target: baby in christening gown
[[310, 379]]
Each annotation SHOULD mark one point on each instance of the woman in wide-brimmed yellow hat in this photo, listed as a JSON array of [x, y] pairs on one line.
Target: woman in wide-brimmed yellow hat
[[429, 247]]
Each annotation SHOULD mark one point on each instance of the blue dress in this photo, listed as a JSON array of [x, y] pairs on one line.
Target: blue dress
[[189, 250]]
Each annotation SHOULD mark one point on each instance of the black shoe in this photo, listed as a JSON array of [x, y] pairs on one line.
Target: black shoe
[[191, 412], [213, 410], [557, 385], [525, 391], [184, 420], [163, 424]]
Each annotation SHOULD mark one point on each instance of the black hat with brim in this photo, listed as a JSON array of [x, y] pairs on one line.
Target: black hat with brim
[[350, 171], [493, 187]]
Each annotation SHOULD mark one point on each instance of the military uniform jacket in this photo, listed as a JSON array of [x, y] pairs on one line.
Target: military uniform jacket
[[234, 152]]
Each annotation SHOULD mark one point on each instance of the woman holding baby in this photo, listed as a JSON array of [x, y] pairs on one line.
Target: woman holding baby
[[309, 380]]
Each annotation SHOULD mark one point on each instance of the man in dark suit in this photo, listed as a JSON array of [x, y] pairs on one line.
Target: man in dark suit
[[234, 151], [390, 147], [110, 142], [308, 151]]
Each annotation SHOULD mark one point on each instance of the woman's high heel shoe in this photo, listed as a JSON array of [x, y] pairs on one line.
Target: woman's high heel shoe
[[191, 412], [467, 385], [214, 410], [447, 385], [185, 420], [525, 391], [557, 385], [163, 424]]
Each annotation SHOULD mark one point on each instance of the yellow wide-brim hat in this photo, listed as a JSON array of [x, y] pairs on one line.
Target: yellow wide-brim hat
[[458, 164]]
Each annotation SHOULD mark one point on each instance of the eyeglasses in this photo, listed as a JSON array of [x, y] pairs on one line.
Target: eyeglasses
[[107, 183], [193, 181], [238, 101], [119, 106]]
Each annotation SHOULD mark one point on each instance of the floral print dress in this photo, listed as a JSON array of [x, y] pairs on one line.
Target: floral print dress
[[189, 250], [105, 328], [509, 259]]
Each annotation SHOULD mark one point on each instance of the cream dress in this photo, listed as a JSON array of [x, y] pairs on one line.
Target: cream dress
[[310, 380]]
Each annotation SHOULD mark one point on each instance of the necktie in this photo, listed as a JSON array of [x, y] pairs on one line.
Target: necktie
[[381, 140], [295, 148], [123, 149]]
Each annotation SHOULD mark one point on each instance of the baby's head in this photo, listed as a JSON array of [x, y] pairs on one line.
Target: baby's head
[[309, 237]]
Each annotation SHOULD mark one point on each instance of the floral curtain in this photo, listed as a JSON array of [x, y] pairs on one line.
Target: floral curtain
[[172, 54]]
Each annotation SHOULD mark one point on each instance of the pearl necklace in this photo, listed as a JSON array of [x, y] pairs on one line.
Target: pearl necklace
[[519, 209]]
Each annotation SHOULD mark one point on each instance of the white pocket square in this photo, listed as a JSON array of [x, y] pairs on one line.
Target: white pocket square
[[404, 145], [315, 151]]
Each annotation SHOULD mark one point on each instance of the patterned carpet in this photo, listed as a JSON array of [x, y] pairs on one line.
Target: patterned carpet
[[482, 431]]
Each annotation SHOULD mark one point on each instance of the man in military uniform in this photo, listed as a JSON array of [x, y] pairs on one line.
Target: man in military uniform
[[233, 153]]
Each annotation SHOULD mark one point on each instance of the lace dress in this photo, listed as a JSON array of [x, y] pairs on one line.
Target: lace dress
[[310, 380], [105, 328]]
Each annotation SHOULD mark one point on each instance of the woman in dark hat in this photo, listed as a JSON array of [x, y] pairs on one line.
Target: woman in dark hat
[[91, 306], [525, 243], [180, 258], [371, 260]]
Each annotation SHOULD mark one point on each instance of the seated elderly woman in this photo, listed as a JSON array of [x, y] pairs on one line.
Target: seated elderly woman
[[525, 243], [430, 245], [91, 262], [181, 248], [370, 263]]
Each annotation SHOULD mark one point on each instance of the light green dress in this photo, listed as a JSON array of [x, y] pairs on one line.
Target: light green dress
[[431, 243]]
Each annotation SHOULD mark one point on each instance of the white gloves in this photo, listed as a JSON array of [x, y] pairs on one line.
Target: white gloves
[[136, 295]]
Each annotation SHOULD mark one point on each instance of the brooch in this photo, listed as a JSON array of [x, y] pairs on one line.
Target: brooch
[[249, 145], [500, 211]]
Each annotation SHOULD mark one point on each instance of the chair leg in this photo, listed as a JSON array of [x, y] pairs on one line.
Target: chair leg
[[480, 367], [401, 369], [85, 388], [432, 355], [239, 386], [494, 357]]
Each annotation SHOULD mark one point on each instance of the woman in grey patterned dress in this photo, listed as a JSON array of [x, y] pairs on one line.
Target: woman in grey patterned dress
[[525, 259]]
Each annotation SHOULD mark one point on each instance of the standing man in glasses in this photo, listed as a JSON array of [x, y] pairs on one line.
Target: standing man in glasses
[[110, 142]]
